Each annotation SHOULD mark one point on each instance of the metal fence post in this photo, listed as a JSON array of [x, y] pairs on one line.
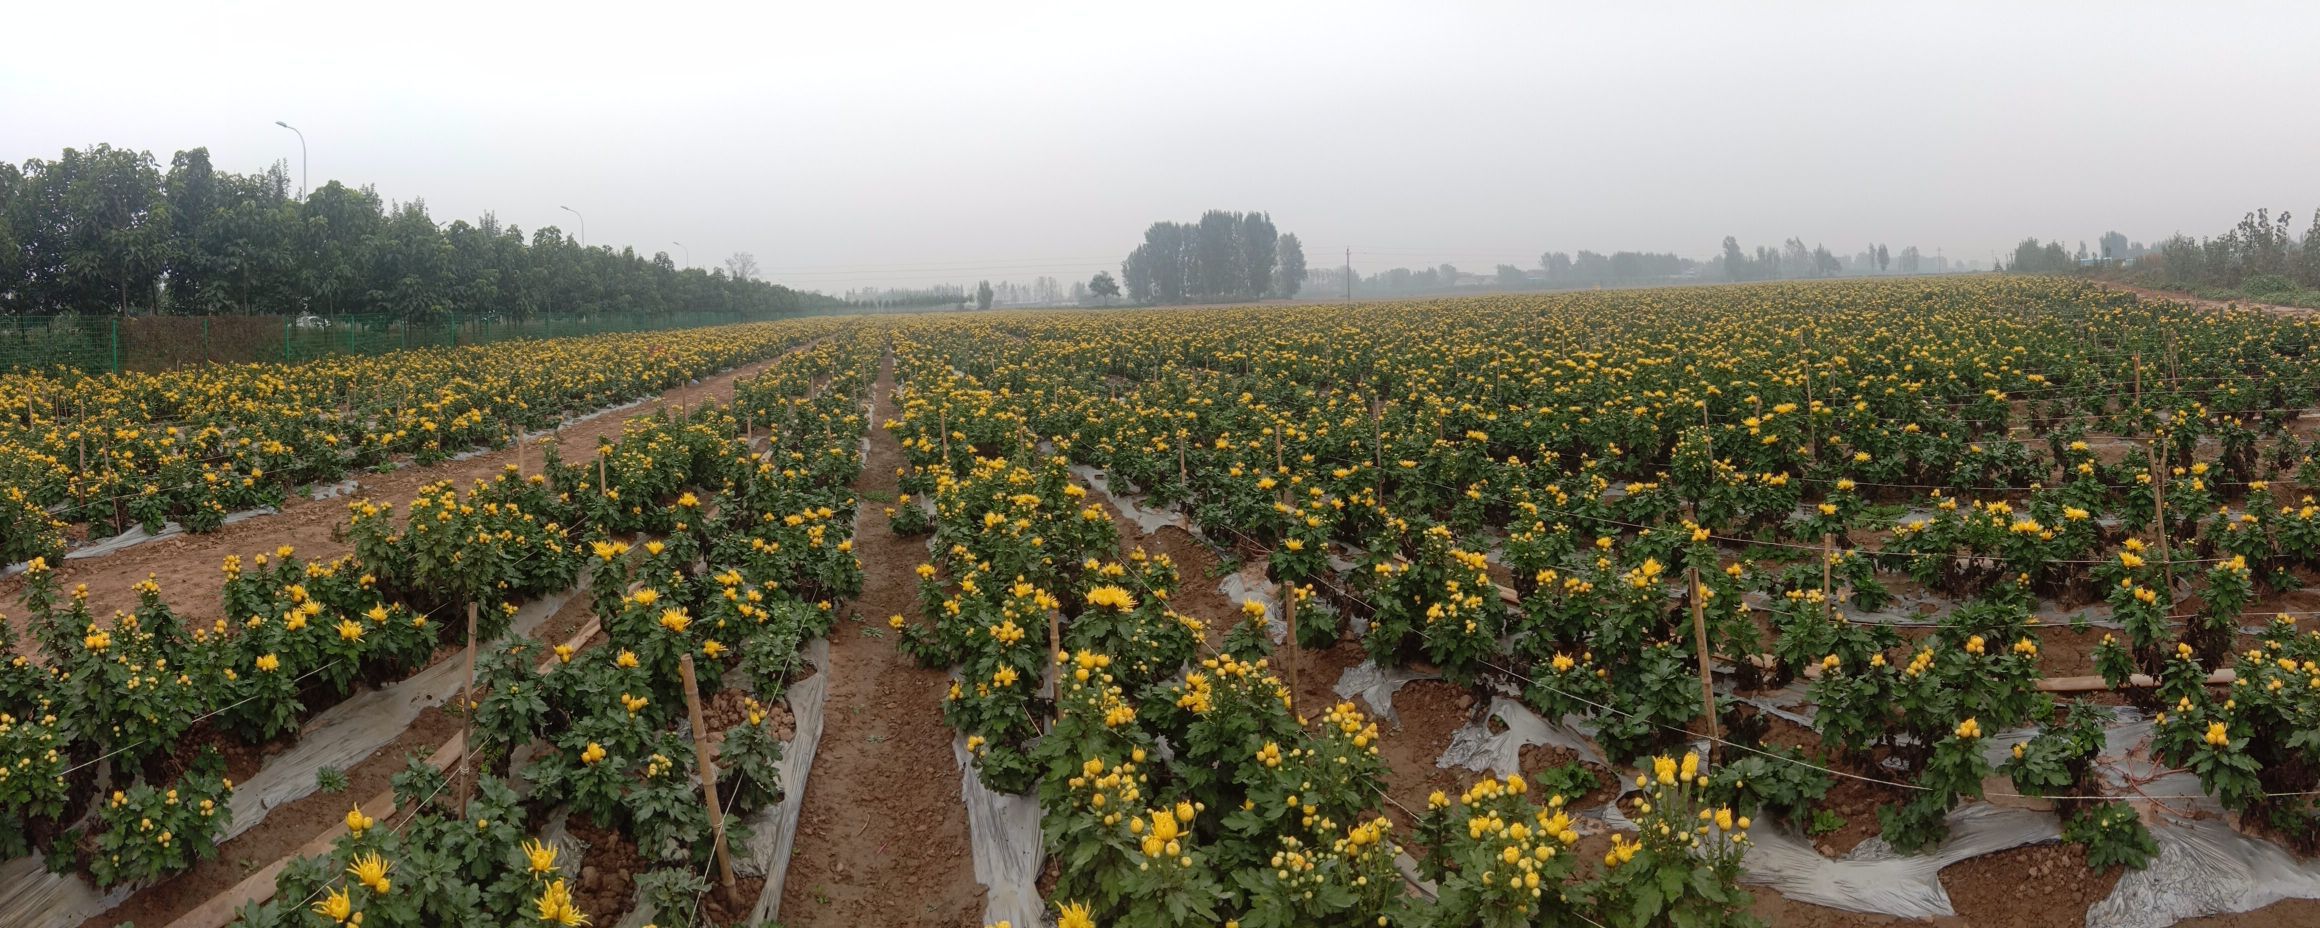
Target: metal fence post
[[116, 331]]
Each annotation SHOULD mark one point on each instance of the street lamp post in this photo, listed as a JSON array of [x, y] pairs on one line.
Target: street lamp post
[[583, 224], [301, 157], [688, 253]]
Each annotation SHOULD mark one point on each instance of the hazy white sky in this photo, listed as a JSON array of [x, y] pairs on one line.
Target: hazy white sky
[[916, 143]]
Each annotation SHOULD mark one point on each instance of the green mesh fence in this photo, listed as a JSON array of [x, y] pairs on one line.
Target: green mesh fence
[[99, 344]]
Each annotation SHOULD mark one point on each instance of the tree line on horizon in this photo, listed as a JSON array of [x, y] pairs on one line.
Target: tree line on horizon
[[1224, 256], [2261, 255], [108, 231]]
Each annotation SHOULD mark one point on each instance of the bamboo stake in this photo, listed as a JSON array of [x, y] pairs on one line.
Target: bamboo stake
[[1700, 636], [708, 765]]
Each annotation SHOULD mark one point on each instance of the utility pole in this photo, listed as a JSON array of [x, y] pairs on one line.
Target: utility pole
[[1349, 275]]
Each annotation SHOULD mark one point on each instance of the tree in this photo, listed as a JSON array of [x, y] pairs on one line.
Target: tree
[[1884, 258], [1103, 287], [1824, 263], [1217, 255], [1909, 259], [741, 266], [1735, 263], [1288, 265], [1226, 255], [1259, 251], [1556, 265], [983, 294], [1510, 276], [2114, 245]]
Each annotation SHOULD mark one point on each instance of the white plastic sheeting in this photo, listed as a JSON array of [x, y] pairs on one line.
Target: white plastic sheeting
[[2204, 867], [1376, 686], [1875, 880], [1003, 832], [773, 831], [1250, 584], [1147, 519], [1476, 747], [137, 536]]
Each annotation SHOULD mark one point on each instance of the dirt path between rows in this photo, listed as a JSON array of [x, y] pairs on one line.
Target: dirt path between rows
[[882, 833], [188, 567]]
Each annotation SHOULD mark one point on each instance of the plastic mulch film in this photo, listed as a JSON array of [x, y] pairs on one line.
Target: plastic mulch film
[[1873, 879], [773, 831], [2204, 867], [32, 897], [137, 536], [1148, 520], [1003, 832], [1250, 584], [1376, 686], [1475, 747]]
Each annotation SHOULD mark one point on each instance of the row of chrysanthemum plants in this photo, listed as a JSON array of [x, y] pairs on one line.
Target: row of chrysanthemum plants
[[143, 449], [732, 559], [140, 700]]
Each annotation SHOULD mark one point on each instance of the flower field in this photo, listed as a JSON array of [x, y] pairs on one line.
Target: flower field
[[1933, 540], [120, 451], [1967, 568], [711, 545]]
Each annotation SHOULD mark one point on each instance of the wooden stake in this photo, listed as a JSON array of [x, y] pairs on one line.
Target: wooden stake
[[708, 765], [1377, 429], [1289, 613], [2138, 381], [603, 486], [2159, 517], [1183, 474], [1700, 636], [943, 420], [1055, 657], [1812, 431], [1828, 598], [467, 711]]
